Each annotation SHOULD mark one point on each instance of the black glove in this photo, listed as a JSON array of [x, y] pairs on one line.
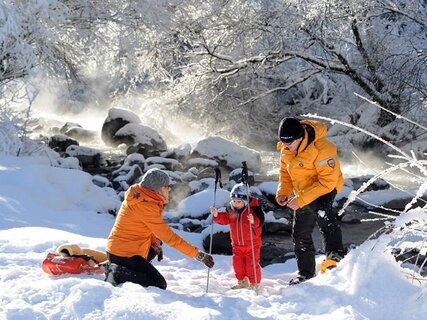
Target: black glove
[[160, 255], [205, 258], [157, 247]]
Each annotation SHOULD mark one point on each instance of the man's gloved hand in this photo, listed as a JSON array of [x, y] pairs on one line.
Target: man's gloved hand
[[282, 200], [205, 258]]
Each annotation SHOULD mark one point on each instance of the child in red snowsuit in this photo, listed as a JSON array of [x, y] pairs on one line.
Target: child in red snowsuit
[[242, 223]]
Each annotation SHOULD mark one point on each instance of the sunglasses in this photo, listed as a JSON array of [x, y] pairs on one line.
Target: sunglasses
[[288, 143]]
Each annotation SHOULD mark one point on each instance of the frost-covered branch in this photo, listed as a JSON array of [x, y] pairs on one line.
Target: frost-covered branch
[[391, 112], [414, 196], [349, 125], [353, 194]]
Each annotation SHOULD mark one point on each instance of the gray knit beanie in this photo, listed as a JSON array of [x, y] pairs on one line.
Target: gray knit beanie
[[154, 179]]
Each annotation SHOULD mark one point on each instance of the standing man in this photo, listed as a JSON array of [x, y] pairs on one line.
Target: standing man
[[309, 167], [139, 231]]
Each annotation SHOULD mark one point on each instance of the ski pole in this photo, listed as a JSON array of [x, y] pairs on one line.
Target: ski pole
[[245, 181], [217, 180], [289, 200]]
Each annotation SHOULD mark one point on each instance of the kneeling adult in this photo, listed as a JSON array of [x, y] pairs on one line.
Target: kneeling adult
[[137, 235]]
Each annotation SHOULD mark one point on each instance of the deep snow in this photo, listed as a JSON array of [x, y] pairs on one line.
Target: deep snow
[[42, 207]]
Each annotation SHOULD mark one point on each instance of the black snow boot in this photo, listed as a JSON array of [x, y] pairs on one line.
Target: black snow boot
[[298, 280]]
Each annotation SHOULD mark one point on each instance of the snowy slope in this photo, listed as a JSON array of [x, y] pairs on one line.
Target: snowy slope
[[42, 207]]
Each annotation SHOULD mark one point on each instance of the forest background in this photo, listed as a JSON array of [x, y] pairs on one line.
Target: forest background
[[234, 68]]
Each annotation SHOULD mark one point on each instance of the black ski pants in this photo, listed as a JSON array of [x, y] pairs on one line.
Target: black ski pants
[[320, 212], [135, 269]]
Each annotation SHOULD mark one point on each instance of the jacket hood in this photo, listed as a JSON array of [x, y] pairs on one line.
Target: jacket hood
[[320, 128], [137, 193]]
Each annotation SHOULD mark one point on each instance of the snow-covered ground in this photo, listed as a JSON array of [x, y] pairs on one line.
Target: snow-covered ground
[[42, 207]]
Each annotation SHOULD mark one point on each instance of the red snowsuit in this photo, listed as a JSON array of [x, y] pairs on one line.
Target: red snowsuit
[[240, 229]]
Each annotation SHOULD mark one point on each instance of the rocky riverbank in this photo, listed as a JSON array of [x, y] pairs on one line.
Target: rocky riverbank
[[131, 148]]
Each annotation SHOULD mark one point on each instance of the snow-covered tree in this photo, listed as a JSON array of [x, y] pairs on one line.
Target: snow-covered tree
[[236, 67], [255, 61]]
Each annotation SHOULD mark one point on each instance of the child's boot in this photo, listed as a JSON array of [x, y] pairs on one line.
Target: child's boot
[[254, 286], [244, 283]]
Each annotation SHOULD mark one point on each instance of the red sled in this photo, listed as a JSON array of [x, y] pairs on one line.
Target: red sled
[[56, 264]]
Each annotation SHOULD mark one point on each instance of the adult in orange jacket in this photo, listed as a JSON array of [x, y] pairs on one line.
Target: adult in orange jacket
[[139, 230], [310, 169]]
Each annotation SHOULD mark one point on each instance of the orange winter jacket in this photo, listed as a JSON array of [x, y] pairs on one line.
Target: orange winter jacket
[[139, 224], [313, 170]]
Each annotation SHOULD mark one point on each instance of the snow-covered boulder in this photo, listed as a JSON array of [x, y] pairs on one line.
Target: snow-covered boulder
[[182, 151], [268, 187], [201, 163], [148, 141], [61, 142], [202, 184], [133, 175], [221, 243], [116, 119], [88, 157], [275, 225], [198, 205], [168, 163], [68, 163]]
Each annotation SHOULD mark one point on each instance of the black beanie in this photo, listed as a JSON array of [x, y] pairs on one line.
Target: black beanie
[[290, 129]]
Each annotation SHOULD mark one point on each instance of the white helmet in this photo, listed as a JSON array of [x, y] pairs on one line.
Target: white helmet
[[239, 191]]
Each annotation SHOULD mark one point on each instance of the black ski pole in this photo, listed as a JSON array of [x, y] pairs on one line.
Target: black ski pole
[[245, 180], [217, 181]]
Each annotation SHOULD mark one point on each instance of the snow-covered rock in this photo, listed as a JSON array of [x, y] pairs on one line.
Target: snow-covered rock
[[116, 119], [198, 205], [229, 152], [148, 140]]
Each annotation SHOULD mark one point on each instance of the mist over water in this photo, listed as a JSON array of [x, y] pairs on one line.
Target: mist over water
[[155, 112]]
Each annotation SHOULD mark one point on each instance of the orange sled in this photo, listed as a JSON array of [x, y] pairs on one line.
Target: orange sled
[[70, 258]]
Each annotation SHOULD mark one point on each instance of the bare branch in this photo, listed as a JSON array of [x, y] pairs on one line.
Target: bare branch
[[268, 92]]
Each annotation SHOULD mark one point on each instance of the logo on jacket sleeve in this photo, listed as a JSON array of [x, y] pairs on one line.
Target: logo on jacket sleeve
[[331, 162]]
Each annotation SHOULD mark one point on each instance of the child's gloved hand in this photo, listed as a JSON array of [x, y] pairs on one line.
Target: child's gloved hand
[[251, 218], [214, 212]]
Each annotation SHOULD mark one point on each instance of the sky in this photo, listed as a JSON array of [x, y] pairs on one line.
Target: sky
[[42, 207]]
